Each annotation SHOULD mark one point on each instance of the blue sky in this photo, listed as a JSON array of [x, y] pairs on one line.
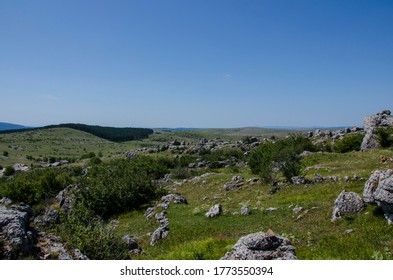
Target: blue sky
[[195, 63]]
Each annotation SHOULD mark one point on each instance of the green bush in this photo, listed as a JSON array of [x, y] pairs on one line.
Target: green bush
[[121, 185], [350, 143], [95, 160], [385, 137], [9, 171], [181, 173], [97, 240], [5, 153], [271, 158], [222, 154], [88, 155], [36, 186]]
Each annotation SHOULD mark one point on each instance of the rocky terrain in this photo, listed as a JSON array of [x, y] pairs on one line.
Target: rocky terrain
[[222, 196]]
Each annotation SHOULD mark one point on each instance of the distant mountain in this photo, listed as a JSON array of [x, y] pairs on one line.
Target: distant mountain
[[167, 129], [10, 126]]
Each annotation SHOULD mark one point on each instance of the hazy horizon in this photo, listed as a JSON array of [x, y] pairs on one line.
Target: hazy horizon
[[202, 64]]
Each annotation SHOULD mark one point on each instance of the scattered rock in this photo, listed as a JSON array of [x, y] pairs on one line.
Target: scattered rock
[[175, 198], [262, 246], [158, 234], [271, 209], [236, 182], [149, 213], [299, 180], [245, 211], [297, 210], [347, 202], [132, 245], [215, 211]]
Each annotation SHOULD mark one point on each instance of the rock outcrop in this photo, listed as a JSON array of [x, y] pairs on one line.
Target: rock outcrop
[[14, 230], [262, 246], [379, 190], [371, 125], [347, 202], [163, 230]]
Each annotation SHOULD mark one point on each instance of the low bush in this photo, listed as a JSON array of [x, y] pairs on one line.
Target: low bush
[[87, 232], [385, 137], [181, 173], [121, 185], [271, 158], [9, 171], [350, 143], [36, 186]]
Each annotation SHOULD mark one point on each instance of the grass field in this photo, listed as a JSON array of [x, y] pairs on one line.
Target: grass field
[[314, 236]]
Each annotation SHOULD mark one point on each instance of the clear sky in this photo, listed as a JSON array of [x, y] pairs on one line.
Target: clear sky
[[195, 63]]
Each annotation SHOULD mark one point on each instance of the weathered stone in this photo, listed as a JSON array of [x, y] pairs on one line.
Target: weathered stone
[[5, 201], [158, 234], [245, 211], [132, 246], [175, 198], [14, 228], [51, 216], [299, 180], [215, 211], [347, 202], [379, 190], [371, 125], [373, 183], [149, 213], [262, 246], [297, 210]]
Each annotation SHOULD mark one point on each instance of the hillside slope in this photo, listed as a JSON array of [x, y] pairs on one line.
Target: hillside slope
[[114, 134]]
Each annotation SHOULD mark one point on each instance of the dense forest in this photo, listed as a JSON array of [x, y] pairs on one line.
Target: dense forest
[[114, 134]]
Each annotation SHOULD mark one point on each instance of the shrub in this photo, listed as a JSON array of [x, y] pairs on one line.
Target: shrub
[[88, 155], [181, 173], [36, 186], [5, 153], [350, 143], [91, 235], [121, 185], [270, 158], [95, 160], [385, 137], [9, 171]]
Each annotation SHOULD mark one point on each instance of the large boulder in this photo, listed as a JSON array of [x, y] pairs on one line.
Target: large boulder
[[262, 246], [371, 125], [379, 190], [14, 229], [347, 202]]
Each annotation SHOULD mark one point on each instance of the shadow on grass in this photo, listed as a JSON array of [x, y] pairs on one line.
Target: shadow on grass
[[378, 213]]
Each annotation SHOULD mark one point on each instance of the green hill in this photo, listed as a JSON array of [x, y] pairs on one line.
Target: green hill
[[114, 134]]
